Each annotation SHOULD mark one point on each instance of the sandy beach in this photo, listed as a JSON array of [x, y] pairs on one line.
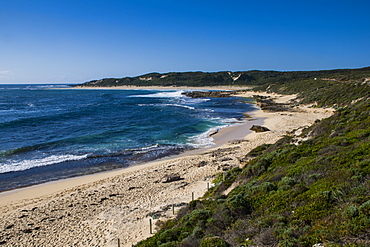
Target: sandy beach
[[106, 208]]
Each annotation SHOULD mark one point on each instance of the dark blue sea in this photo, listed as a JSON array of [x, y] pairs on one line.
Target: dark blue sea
[[48, 133]]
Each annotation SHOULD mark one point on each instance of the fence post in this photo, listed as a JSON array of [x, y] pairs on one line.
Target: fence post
[[114, 242], [173, 208], [192, 196], [150, 226]]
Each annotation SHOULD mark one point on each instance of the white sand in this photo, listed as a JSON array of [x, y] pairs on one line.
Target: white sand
[[96, 210]]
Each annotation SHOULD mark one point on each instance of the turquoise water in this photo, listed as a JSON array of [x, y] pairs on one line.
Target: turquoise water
[[49, 134]]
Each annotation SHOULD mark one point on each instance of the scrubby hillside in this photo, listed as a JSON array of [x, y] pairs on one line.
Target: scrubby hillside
[[317, 191], [322, 92], [241, 78], [302, 190]]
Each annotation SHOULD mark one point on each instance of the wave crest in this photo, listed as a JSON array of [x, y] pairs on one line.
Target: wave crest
[[28, 164], [162, 94]]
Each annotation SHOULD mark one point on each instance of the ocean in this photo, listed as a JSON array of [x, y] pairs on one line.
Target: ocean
[[49, 133]]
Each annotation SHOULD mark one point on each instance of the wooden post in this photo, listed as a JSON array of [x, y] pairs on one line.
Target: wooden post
[[207, 185], [150, 226], [192, 196], [114, 243], [173, 208]]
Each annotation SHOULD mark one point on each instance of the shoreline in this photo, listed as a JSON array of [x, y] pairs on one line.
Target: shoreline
[[197, 148], [117, 205], [223, 135]]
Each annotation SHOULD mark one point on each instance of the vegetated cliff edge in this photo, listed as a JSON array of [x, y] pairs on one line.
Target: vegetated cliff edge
[[289, 194], [303, 190], [242, 78]]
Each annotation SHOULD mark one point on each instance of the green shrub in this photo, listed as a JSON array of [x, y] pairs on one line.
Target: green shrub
[[351, 211], [365, 208], [214, 242], [258, 150], [238, 204], [169, 235], [169, 245], [264, 188], [194, 217], [287, 181]]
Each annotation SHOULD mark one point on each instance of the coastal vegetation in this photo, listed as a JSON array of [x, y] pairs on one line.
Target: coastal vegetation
[[227, 78], [306, 189], [322, 92], [289, 195]]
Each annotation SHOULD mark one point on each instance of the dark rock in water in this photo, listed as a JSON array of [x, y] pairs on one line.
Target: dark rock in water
[[258, 128], [212, 94], [212, 133], [171, 178]]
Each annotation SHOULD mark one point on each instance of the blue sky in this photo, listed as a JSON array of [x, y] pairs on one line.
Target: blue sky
[[73, 41]]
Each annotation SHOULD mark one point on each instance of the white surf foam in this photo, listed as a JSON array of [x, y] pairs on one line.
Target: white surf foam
[[204, 140], [28, 164], [196, 100], [162, 94], [178, 105], [164, 105]]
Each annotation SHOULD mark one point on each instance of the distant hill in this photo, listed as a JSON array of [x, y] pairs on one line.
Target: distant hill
[[241, 78]]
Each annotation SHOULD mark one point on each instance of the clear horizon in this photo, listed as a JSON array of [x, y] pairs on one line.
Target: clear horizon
[[71, 42]]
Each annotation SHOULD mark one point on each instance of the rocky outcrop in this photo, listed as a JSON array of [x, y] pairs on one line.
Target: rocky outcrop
[[208, 94], [171, 178], [258, 128], [267, 104]]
